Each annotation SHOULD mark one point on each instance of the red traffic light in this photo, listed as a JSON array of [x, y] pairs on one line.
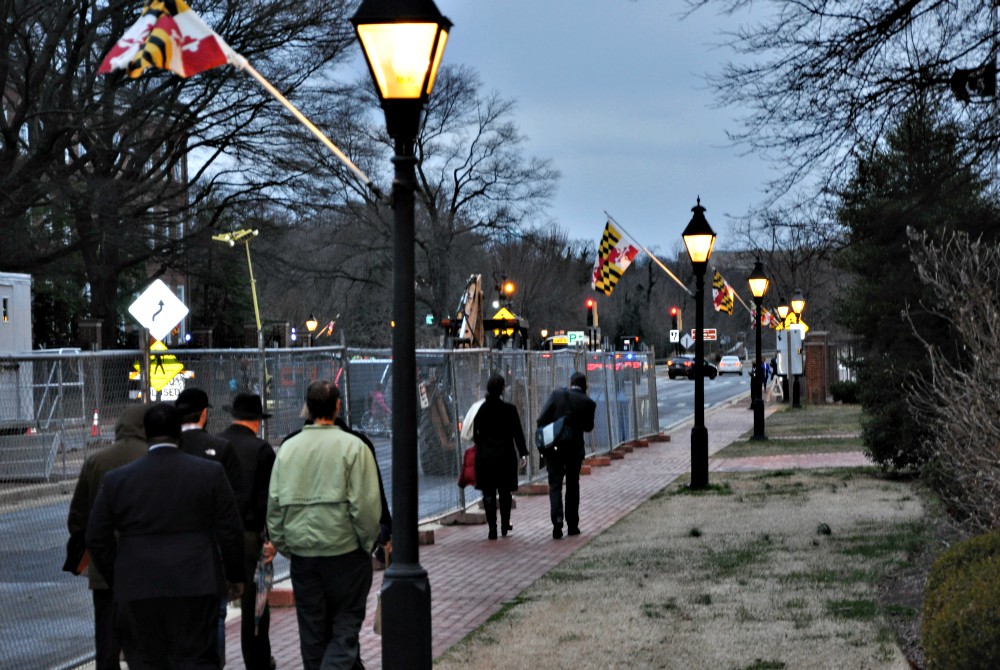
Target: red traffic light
[[590, 303], [673, 311]]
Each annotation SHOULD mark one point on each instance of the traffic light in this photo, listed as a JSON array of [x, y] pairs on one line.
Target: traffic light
[[673, 318], [591, 308]]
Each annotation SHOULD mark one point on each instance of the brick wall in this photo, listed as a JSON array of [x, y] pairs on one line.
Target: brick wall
[[818, 353]]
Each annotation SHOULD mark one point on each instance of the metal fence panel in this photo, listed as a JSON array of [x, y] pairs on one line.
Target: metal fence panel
[[69, 402]]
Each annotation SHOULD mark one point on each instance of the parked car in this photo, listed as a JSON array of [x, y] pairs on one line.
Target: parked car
[[683, 366], [731, 364]]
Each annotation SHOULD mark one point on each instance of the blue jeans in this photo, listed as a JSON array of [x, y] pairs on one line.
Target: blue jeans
[[330, 597], [558, 469]]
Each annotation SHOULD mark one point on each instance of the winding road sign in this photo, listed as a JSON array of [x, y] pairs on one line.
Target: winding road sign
[[158, 309]]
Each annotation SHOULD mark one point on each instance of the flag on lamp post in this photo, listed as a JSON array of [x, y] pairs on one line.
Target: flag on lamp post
[[169, 35], [615, 253]]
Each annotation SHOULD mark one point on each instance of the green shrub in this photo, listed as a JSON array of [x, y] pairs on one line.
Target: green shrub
[[845, 392], [961, 616]]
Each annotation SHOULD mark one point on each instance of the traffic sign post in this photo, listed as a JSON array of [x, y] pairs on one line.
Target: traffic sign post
[[158, 311]]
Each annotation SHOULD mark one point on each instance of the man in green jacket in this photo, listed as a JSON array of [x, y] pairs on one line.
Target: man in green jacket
[[323, 512]]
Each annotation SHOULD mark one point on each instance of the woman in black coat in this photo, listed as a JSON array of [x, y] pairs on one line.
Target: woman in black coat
[[499, 441]]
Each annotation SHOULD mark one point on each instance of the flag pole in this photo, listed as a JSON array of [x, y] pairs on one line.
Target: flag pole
[[649, 253], [242, 63]]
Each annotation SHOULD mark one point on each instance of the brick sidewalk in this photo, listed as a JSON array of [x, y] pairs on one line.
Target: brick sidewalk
[[471, 577]]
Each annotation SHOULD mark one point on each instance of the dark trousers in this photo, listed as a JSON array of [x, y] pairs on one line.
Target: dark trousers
[[568, 468], [106, 641], [330, 597], [255, 641], [171, 633], [506, 499]]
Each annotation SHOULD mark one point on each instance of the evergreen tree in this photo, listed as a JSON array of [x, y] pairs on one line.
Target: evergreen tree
[[918, 179]]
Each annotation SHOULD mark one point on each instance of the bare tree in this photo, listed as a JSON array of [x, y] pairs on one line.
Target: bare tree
[[798, 245], [820, 77], [957, 400], [97, 170], [474, 182]]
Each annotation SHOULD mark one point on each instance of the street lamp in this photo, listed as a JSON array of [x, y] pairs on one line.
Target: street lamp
[[798, 304], [311, 324], [403, 41], [699, 238], [758, 287]]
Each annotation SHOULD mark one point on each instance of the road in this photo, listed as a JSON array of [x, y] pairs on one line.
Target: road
[[675, 397], [47, 614]]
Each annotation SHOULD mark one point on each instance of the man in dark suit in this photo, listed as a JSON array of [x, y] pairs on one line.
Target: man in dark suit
[[256, 458], [195, 440], [165, 532], [578, 408]]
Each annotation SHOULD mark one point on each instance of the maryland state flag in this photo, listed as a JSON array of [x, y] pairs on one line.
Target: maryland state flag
[[722, 294], [169, 35], [615, 253]]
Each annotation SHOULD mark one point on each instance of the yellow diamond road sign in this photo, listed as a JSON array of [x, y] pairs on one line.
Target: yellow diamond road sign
[[163, 367]]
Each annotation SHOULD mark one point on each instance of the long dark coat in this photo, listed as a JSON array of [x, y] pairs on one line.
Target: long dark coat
[[499, 441]]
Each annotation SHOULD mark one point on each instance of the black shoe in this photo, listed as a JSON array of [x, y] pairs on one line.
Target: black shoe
[[557, 532], [505, 528], [574, 531], [493, 533]]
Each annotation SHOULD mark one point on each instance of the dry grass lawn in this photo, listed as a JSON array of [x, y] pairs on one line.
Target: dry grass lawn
[[766, 571]]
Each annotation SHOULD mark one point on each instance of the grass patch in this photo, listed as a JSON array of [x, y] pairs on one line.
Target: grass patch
[[816, 445], [815, 420], [857, 610], [876, 542], [659, 610], [760, 664], [737, 560], [723, 489], [506, 608], [816, 429]]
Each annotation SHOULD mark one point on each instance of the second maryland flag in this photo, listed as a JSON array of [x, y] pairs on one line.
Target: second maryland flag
[[722, 294], [614, 255], [169, 35]]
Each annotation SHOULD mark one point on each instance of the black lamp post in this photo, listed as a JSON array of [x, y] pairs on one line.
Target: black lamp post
[[403, 41], [758, 287], [798, 304], [699, 238]]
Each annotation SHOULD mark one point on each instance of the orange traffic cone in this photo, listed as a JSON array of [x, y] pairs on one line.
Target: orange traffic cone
[[95, 429]]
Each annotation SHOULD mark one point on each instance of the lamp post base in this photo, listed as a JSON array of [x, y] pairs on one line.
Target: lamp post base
[[758, 420], [699, 457], [406, 618], [796, 398]]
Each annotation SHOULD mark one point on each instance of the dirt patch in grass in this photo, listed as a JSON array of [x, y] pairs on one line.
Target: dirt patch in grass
[[811, 569]]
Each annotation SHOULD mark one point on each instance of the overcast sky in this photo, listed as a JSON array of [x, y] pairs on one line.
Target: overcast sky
[[613, 92]]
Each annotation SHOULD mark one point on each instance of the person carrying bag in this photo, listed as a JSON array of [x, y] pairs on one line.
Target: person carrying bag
[[564, 459]]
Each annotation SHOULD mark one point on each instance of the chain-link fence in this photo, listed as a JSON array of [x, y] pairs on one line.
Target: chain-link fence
[[57, 407]]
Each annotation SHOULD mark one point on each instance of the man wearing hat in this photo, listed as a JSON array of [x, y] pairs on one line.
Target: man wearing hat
[[195, 440], [256, 459]]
